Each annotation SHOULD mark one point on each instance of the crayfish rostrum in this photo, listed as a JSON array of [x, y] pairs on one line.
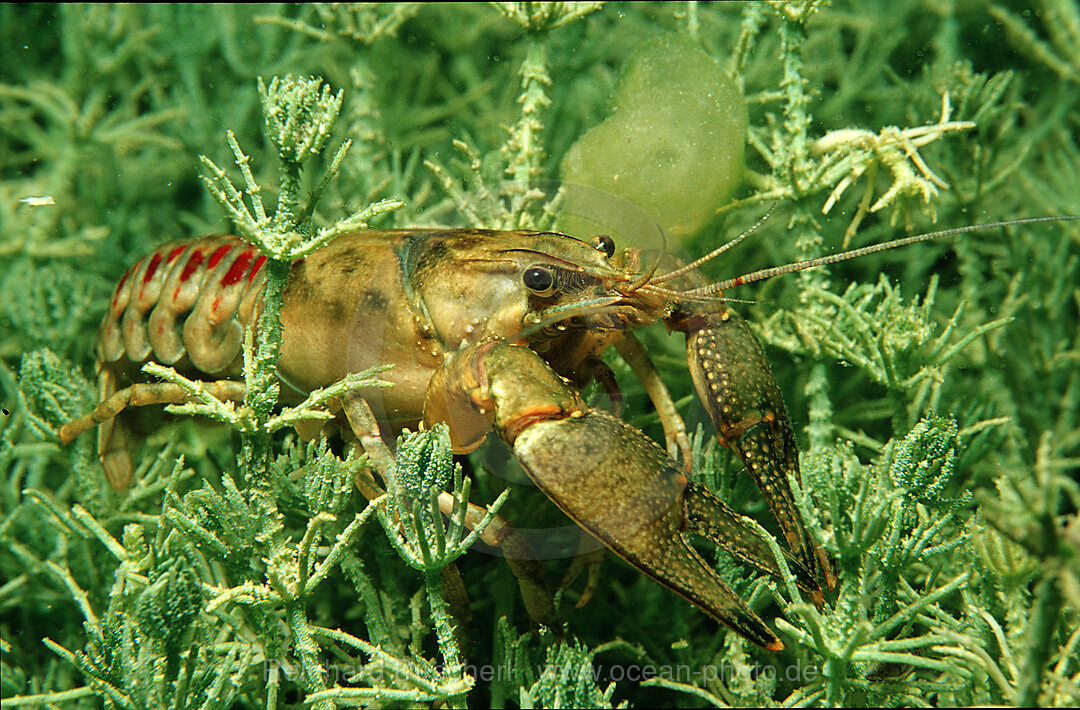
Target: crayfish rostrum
[[489, 330]]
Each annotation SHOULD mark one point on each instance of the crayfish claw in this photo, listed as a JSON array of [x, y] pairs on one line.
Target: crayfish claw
[[736, 384], [621, 487], [607, 476], [710, 517], [659, 550]]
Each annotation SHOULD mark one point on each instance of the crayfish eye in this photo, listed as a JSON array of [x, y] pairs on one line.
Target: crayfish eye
[[540, 280], [605, 244]]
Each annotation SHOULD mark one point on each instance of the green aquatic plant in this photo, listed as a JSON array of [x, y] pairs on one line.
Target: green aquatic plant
[[1060, 23], [512, 200], [933, 390]]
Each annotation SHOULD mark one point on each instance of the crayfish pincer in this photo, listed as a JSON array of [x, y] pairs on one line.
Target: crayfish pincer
[[486, 330], [607, 476]]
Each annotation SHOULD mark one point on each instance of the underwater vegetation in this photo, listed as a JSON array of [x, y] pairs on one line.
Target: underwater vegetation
[[934, 389]]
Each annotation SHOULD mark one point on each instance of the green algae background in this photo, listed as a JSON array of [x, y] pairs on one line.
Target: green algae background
[[935, 389]]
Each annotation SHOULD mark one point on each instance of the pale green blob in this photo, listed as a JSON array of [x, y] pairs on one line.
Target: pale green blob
[[674, 146]]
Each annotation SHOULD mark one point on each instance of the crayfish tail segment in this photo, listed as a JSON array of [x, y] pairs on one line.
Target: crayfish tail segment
[[736, 384], [711, 518], [114, 442]]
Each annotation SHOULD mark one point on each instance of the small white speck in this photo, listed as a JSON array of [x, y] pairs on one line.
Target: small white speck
[[38, 201]]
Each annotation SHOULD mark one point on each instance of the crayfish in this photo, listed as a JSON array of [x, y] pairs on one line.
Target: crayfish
[[494, 331]]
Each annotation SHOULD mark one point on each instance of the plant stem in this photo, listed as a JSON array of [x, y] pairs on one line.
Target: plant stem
[[444, 633], [1040, 640]]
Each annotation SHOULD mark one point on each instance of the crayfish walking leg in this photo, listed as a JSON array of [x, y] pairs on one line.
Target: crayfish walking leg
[[113, 435], [499, 533]]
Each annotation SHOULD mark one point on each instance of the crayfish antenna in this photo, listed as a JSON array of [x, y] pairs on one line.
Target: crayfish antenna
[[763, 274], [715, 252], [646, 278]]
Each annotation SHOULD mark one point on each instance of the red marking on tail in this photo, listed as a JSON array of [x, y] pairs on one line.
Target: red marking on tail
[[155, 262], [124, 278], [218, 255], [194, 262], [258, 265], [175, 253], [236, 271], [120, 286]]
